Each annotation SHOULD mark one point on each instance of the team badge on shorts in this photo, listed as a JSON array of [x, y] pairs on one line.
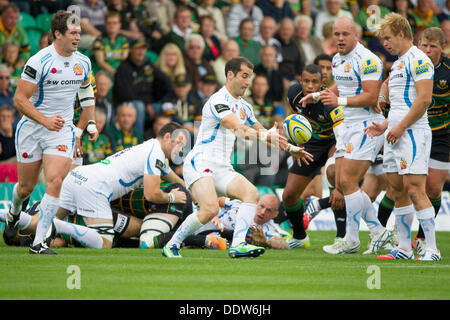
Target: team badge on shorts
[[348, 149], [403, 164], [78, 70], [62, 148]]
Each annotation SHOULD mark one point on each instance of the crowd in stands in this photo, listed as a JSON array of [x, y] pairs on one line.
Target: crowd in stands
[[160, 60]]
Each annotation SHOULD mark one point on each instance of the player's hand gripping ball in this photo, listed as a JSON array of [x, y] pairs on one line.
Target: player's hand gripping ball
[[297, 129]]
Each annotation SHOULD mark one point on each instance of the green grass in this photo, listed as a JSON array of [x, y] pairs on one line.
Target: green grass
[[211, 275]]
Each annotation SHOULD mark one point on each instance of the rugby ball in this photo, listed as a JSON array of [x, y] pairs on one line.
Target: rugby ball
[[297, 129]]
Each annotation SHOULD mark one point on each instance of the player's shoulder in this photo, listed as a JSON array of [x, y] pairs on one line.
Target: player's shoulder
[[222, 96], [445, 62], [42, 56], [79, 56]]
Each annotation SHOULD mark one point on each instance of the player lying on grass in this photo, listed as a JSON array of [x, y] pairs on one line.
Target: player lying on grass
[[129, 213]]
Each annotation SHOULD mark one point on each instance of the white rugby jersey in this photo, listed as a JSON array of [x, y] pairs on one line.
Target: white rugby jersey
[[410, 68], [124, 171], [349, 72], [228, 214], [58, 79], [215, 142]]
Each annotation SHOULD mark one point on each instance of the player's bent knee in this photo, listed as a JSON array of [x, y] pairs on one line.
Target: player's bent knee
[[107, 243], [251, 195], [153, 226]]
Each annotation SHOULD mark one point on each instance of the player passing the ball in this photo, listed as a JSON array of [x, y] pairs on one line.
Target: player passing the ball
[[207, 170]]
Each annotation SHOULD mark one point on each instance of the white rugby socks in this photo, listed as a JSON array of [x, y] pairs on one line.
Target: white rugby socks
[[47, 210], [244, 218], [404, 217], [87, 237], [354, 204], [426, 220], [187, 228]]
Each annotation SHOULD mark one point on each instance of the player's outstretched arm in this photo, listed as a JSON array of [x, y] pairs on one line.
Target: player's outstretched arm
[[368, 96], [174, 178], [24, 91]]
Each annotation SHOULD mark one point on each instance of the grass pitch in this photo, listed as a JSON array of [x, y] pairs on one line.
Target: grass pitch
[[211, 275]]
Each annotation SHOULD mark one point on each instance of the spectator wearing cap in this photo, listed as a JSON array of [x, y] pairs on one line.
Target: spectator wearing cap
[[206, 87], [248, 48], [10, 30], [181, 105], [111, 48], [196, 64], [230, 50], [139, 82]]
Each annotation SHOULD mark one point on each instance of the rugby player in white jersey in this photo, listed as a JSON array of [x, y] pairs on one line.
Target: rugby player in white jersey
[[87, 190], [408, 139], [358, 76], [45, 135], [207, 170]]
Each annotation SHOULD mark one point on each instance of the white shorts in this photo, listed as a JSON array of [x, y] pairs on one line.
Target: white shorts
[[196, 167], [33, 140], [80, 196], [376, 169], [77, 161], [410, 154], [439, 165], [354, 144]]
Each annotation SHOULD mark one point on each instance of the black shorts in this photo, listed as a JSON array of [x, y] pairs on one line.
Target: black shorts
[[320, 150], [440, 147]]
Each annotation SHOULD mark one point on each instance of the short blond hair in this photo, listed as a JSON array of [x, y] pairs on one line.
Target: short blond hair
[[396, 24], [434, 34]]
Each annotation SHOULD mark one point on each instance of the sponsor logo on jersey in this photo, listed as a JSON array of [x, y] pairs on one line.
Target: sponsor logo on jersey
[[221, 107], [26, 155], [347, 67], [30, 71], [344, 78], [369, 66], [421, 66], [62, 148], [402, 164], [442, 84], [337, 115], [48, 55], [78, 70], [242, 114], [159, 164]]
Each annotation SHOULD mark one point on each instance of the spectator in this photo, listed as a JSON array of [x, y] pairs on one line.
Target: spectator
[[424, 15], [269, 69], [331, 14], [292, 65], [207, 8], [7, 146], [164, 11], [362, 17], [267, 30], [206, 87], [181, 106], [192, 6], [123, 134], [142, 24], [240, 11], [6, 93], [328, 43], [171, 61], [277, 9], [308, 45], [44, 41], [160, 121], [213, 48], [445, 26], [324, 62], [181, 30], [111, 48], [139, 82], [10, 30], [248, 48], [103, 100], [196, 64], [230, 50], [93, 13], [101, 148], [10, 53], [404, 7], [263, 106]]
